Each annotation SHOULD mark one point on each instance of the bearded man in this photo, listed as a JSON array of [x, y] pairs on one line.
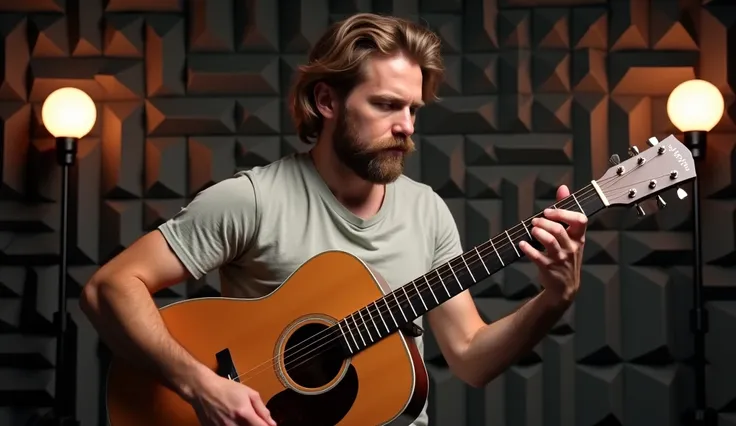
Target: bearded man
[[355, 102]]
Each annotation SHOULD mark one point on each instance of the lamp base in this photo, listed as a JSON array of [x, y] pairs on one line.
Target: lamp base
[[701, 417], [696, 142], [51, 419]]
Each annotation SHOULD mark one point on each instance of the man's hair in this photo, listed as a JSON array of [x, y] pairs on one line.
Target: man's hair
[[339, 56]]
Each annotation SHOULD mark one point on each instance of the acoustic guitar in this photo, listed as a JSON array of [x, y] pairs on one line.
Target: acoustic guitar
[[321, 353]]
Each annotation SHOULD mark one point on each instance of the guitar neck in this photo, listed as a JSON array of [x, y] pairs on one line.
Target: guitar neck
[[412, 300]]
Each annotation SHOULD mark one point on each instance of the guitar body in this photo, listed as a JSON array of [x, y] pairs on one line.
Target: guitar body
[[386, 383]]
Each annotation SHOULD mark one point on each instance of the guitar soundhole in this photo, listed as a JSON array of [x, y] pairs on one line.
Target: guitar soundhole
[[313, 359]]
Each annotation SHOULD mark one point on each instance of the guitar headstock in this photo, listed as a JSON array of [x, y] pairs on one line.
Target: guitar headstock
[[665, 164]]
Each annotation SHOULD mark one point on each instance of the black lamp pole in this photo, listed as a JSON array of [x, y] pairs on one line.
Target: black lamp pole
[[64, 410], [68, 114], [65, 390], [702, 414]]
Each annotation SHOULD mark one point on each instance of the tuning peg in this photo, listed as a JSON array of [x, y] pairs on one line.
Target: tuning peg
[[640, 211], [660, 202], [633, 151], [681, 194], [614, 160], [652, 141]]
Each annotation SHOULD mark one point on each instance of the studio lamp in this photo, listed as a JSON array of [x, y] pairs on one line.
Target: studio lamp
[[695, 107], [68, 114]]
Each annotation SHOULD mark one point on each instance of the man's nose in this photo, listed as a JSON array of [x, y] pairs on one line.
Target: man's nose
[[405, 123]]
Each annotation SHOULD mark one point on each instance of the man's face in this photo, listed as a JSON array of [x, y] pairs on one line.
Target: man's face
[[373, 131]]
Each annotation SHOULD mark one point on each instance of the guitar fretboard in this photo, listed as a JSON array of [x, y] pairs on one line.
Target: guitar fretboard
[[389, 313]]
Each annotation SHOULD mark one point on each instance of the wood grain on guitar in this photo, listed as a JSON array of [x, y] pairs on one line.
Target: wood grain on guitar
[[321, 355]]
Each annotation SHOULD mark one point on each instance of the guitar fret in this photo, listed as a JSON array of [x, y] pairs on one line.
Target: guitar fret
[[381, 316], [527, 229], [512, 244], [357, 329], [493, 246], [409, 300], [481, 261], [449, 265], [389, 311], [347, 325], [443, 282], [399, 305], [430, 290], [344, 337], [420, 295], [578, 203], [468, 268], [375, 327], [370, 336]]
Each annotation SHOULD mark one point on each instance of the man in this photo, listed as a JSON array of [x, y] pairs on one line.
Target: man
[[356, 99]]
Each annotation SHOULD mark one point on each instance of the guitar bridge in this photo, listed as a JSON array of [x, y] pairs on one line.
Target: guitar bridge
[[226, 366]]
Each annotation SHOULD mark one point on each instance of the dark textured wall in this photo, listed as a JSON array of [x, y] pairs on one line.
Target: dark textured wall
[[539, 93]]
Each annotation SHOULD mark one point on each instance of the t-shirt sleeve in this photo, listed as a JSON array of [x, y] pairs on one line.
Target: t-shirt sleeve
[[215, 227], [447, 236]]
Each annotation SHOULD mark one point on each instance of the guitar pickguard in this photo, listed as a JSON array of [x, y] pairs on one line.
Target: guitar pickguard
[[226, 366]]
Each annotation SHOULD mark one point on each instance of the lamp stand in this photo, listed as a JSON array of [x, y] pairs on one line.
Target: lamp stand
[[702, 415], [64, 411]]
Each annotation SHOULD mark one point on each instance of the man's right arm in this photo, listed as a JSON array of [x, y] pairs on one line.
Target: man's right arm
[[117, 301], [213, 229]]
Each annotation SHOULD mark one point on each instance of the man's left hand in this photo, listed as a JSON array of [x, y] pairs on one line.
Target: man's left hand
[[560, 265]]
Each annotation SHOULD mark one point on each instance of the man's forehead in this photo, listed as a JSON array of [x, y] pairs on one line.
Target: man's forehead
[[395, 76]]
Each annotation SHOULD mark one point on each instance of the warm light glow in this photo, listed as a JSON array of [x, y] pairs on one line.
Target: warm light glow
[[68, 112], [695, 105]]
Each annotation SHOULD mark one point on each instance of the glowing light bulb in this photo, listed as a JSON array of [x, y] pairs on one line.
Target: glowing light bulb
[[695, 105], [69, 112]]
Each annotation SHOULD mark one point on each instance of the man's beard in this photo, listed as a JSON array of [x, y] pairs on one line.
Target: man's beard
[[378, 161]]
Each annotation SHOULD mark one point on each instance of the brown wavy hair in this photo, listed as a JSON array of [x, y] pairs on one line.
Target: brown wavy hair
[[339, 56]]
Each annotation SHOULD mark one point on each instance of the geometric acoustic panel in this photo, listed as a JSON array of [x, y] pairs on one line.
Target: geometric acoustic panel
[[538, 93]]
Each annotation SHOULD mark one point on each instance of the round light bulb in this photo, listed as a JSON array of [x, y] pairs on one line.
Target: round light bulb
[[69, 112], [695, 105]]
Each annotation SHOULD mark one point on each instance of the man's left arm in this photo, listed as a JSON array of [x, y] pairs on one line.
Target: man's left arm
[[478, 352]]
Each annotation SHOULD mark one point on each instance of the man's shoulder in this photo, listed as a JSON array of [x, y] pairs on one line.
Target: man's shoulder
[[248, 186], [411, 191], [421, 198], [285, 168]]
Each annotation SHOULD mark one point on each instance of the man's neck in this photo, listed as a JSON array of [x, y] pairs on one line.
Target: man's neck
[[361, 197]]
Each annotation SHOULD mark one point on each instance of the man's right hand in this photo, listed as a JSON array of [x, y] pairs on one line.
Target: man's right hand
[[223, 402]]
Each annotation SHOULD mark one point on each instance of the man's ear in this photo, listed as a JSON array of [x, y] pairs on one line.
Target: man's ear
[[325, 100]]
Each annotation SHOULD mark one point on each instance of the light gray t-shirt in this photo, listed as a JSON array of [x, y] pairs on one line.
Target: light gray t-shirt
[[260, 225]]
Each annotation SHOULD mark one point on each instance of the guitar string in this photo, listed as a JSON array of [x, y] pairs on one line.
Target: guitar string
[[333, 334], [332, 331], [501, 248]]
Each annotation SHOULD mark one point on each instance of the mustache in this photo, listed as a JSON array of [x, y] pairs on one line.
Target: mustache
[[403, 144]]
